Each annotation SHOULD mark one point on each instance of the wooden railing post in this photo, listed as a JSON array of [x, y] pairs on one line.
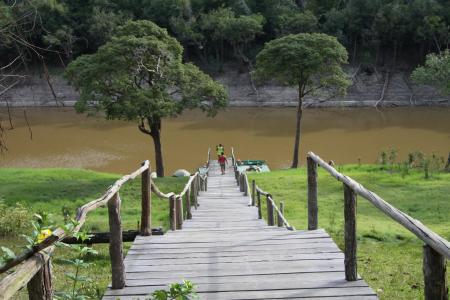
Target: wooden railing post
[[241, 182], [280, 215], [312, 194], [194, 185], [206, 183], [236, 175], [115, 243], [146, 203], [351, 272], [172, 213], [270, 219], [179, 212], [245, 184], [434, 273], [258, 197], [253, 192], [40, 286], [197, 180], [188, 203]]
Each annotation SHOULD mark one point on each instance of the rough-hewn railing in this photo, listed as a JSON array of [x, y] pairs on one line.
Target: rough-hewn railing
[[435, 251], [255, 199], [33, 266]]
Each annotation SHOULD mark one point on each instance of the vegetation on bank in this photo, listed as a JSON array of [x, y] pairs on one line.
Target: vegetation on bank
[[58, 192], [389, 256]]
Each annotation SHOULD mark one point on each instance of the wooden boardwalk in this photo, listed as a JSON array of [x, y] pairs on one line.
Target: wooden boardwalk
[[230, 254]]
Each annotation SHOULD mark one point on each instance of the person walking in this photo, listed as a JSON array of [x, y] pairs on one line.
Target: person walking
[[222, 162], [220, 150]]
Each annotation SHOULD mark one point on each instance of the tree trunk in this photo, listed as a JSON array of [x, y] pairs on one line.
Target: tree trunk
[[155, 132], [298, 128]]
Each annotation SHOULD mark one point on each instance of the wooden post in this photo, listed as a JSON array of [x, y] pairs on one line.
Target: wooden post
[[179, 212], [253, 192], [351, 272], [270, 220], [197, 179], [146, 203], [236, 175], [280, 214], [115, 243], [312, 194], [188, 204], [195, 193], [434, 273], [172, 213], [258, 196], [206, 183], [244, 178], [40, 286], [242, 183]]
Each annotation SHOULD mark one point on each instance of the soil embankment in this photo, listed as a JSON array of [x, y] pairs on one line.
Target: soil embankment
[[368, 89]]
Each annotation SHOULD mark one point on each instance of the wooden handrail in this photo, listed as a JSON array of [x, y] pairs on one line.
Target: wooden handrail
[[437, 242], [275, 207], [82, 212], [436, 248], [37, 258]]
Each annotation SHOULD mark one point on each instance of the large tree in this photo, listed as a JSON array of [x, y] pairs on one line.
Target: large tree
[[139, 75], [308, 61]]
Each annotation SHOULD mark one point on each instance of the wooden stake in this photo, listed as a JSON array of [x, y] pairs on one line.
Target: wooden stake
[[253, 192], [312, 194], [188, 204], [351, 272], [179, 212], [172, 213], [434, 273], [146, 203], [258, 196], [270, 219], [280, 214], [116, 244], [40, 286]]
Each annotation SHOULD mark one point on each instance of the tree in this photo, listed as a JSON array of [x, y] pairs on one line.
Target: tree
[[435, 72], [139, 75], [308, 61]]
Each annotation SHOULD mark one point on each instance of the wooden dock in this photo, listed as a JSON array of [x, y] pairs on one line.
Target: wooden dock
[[228, 253]]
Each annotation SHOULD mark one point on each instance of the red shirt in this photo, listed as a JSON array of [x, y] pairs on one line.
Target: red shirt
[[222, 159]]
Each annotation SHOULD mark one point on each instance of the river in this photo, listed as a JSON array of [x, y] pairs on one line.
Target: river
[[62, 138]]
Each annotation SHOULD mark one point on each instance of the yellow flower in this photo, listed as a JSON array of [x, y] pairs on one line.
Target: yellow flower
[[44, 234]]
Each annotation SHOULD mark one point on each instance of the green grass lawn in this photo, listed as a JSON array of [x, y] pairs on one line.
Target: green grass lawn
[[52, 190], [389, 256]]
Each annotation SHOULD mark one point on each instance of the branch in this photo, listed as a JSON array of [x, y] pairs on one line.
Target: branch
[[142, 128]]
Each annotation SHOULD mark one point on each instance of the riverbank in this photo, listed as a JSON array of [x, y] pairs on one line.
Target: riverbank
[[389, 257], [369, 89], [54, 191]]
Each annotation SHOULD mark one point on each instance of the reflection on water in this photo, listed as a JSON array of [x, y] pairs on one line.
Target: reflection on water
[[62, 138]]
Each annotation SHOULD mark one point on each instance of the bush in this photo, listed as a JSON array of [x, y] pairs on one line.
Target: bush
[[14, 220]]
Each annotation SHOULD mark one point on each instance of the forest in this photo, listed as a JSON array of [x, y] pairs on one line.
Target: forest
[[376, 33]]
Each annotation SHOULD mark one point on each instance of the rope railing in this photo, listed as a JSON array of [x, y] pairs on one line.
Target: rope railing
[[32, 263], [255, 199], [435, 251]]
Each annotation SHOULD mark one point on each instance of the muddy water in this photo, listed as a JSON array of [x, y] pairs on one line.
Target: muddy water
[[62, 138]]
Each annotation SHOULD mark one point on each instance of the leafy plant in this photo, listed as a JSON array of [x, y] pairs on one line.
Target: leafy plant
[[6, 255], [177, 291], [13, 219], [78, 263]]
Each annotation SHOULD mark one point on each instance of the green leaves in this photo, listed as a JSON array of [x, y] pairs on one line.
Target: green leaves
[[139, 74], [308, 61], [435, 72], [7, 255], [177, 291]]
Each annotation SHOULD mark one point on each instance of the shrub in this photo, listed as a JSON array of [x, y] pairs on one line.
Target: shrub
[[14, 220]]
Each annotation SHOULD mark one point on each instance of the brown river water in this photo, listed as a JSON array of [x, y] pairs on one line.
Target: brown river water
[[62, 138]]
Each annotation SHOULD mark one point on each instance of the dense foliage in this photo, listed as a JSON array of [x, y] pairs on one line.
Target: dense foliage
[[139, 75], [311, 62], [374, 31], [436, 71]]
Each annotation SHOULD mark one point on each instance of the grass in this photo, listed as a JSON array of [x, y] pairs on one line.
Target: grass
[[389, 256], [52, 190]]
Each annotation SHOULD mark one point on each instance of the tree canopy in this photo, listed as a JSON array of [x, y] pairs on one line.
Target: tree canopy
[[435, 72], [311, 62], [139, 75]]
